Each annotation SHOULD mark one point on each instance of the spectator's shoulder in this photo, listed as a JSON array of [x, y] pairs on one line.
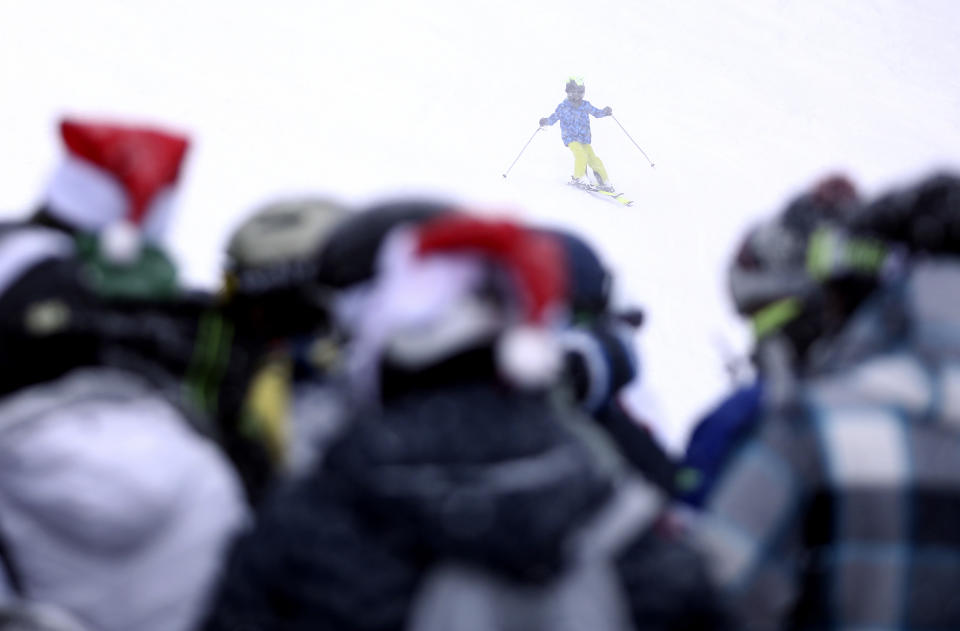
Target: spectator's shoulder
[[792, 432]]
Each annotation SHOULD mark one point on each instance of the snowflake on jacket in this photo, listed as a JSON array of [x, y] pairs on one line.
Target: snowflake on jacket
[[574, 121]]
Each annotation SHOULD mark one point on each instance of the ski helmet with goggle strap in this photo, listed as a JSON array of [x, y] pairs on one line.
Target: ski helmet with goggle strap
[[575, 84]]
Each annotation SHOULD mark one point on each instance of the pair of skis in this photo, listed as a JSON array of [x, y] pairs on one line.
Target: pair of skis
[[613, 195]]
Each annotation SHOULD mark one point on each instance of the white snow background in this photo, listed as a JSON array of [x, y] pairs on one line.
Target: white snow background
[[739, 103]]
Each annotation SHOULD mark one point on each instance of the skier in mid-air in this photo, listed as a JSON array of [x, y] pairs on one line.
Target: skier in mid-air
[[573, 114]]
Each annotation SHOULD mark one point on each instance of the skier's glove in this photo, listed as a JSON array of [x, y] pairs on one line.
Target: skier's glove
[[607, 111], [543, 122]]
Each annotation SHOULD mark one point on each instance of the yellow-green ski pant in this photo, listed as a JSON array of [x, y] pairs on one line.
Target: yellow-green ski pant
[[583, 155]]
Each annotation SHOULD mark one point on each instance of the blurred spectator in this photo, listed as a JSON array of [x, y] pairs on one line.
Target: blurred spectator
[[279, 319], [273, 262], [293, 397], [461, 492], [601, 359], [840, 511], [114, 503], [769, 285]]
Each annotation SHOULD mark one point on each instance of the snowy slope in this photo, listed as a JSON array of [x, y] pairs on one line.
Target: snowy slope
[[738, 102]]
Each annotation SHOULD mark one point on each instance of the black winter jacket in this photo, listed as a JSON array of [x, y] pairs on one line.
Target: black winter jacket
[[454, 468]]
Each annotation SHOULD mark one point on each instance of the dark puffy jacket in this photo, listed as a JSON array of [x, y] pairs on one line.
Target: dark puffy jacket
[[461, 471]]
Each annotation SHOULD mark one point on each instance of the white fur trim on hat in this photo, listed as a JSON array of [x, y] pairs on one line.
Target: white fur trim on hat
[[410, 297], [460, 326], [85, 196], [90, 199]]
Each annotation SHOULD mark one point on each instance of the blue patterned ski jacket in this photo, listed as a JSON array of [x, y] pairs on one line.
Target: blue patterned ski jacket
[[574, 122]]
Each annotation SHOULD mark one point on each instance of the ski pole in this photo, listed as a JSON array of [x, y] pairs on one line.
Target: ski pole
[[632, 140], [737, 366], [521, 152]]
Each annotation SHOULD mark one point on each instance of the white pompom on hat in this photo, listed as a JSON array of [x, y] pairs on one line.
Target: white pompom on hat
[[116, 180]]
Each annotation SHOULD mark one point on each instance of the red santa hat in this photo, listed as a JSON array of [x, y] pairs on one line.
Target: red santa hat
[[535, 261], [426, 301], [528, 351], [116, 180]]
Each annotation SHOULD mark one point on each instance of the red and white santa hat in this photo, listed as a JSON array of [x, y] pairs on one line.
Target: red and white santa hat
[[424, 303], [116, 180], [528, 351]]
